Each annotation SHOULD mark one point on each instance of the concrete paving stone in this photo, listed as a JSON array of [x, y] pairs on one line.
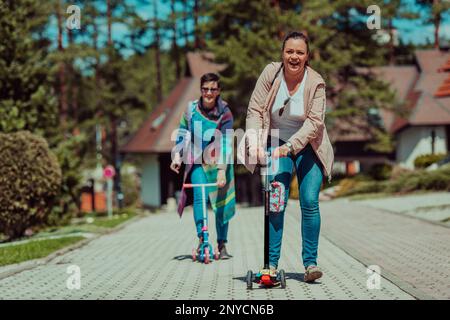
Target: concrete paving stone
[[150, 259], [413, 253]]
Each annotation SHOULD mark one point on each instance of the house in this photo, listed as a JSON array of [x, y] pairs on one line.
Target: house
[[425, 87], [152, 142], [424, 90]]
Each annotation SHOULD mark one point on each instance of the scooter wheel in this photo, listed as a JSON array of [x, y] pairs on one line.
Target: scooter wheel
[[282, 278], [250, 279], [206, 259], [194, 255]]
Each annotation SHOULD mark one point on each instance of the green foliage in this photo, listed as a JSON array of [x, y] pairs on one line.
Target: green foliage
[[248, 35], [380, 171], [26, 99], [425, 160], [405, 182], [30, 179], [69, 152], [130, 187], [114, 221]]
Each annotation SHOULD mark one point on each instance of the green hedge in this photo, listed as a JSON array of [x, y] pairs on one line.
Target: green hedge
[[380, 171], [30, 179], [426, 160], [438, 179]]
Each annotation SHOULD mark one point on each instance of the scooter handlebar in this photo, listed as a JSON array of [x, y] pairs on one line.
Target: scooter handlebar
[[193, 185]]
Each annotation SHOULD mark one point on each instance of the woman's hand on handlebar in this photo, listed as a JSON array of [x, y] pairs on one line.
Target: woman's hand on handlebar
[[221, 178], [280, 152]]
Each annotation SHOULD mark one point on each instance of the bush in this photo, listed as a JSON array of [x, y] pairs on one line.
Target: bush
[[30, 179], [349, 187], [380, 171], [403, 181], [425, 160], [130, 188], [398, 171]]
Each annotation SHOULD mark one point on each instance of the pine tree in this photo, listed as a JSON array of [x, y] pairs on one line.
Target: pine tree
[[26, 95], [247, 36], [435, 10]]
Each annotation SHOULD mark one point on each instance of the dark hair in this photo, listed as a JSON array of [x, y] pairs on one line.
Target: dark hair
[[208, 77], [296, 35]]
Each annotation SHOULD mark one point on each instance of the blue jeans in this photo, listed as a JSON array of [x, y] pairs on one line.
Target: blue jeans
[[310, 176], [198, 176]]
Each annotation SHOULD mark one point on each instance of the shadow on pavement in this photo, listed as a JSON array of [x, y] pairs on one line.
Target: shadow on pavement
[[183, 257], [299, 277]]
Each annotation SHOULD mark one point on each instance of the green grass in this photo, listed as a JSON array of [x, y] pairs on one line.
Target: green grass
[[33, 249], [38, 248], [113, 221], [99, 225]]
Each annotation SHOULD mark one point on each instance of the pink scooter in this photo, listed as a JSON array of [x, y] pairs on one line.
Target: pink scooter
[[205, 253]]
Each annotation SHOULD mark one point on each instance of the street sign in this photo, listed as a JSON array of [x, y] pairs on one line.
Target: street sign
[[109, 172]]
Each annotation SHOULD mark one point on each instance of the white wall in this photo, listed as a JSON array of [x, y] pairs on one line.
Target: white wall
[[150, 184], [415, 141]]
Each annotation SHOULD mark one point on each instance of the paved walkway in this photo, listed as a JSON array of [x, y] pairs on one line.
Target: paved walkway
[[413, 253], [150, 259], [433, 206]]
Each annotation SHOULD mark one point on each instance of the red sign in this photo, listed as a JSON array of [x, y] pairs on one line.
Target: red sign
[[109, 172]]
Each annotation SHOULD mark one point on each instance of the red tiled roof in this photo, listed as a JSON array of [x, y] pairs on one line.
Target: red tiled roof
[[430, 60], [445, 67], [200, 62], [421, 101], [154, 136], [402, 80], [349, 129], [444, 89], [149, 137]]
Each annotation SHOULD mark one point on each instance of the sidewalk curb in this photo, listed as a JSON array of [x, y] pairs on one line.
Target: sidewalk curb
[[31, 264], [402, 284]]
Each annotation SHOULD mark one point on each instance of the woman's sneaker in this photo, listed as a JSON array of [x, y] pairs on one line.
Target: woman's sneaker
[[223, 254], [312, 273]]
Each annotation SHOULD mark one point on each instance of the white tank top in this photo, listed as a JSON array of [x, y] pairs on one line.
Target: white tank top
[[293, 115]]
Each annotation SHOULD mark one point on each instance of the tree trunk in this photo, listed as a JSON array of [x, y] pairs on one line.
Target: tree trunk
[[391, 43], [174, 41], [437, 22], [196, 31], [109, 19], [61, 71], [157, 53], [185, 32]]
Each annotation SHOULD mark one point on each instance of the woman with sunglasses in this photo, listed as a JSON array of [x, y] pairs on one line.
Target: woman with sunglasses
[[289, 99], [204, 145]]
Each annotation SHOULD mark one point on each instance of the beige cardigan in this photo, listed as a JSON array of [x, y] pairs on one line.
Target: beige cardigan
[[312, 131]]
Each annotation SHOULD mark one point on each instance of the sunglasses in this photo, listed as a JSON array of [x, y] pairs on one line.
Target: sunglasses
[[213, 90], [280, 112]]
